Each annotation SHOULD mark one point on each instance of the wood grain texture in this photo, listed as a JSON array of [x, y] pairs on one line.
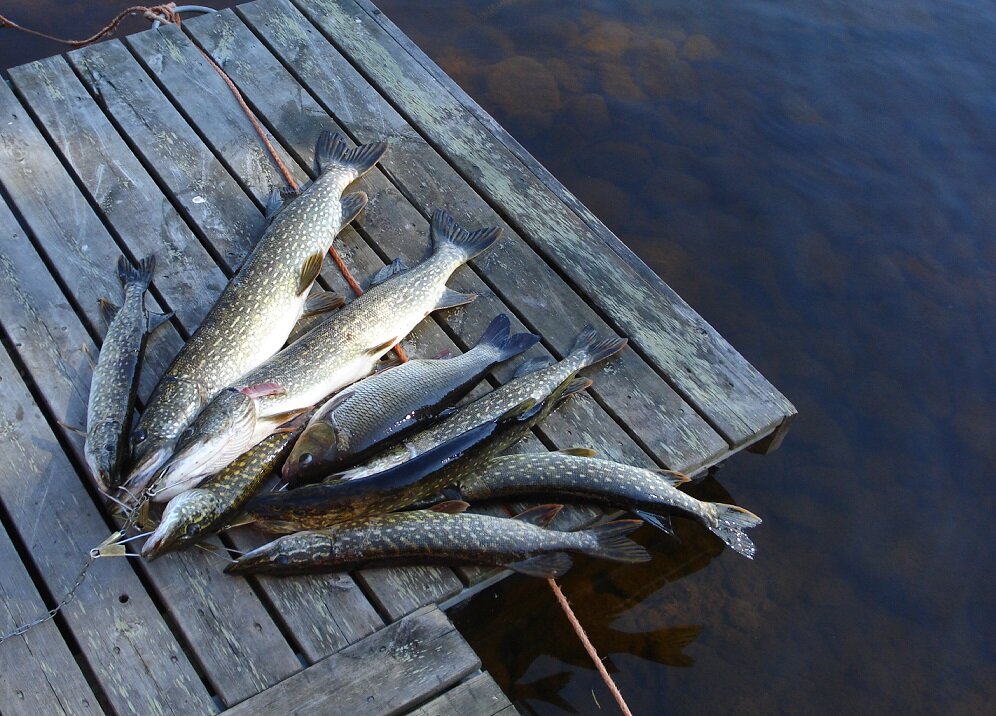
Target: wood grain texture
[[100, 159], [701, 365], [240, 652], [477, 696], [388, 672], [112, 619], [37, 671]]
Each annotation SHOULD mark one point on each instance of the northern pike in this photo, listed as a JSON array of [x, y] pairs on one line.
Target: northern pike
[[334, 354], [391, 404], [319, 506], [255, 313], [533, 379], [195, 514], [575, 474], [115, 377], [430, 536]]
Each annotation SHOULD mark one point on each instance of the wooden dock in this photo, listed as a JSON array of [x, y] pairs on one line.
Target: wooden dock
[[136, 146]]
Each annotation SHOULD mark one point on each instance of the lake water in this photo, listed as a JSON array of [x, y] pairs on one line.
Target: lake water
[[818, 180]]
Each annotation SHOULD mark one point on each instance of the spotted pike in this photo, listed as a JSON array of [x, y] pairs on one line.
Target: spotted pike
[[531, 380], [319, 506], [435, 537], [195, 514], [115, 377], [576, 475], [260, 305], [386, 406], [337, 352]]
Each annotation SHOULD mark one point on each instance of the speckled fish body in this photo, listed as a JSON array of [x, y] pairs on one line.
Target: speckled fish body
[[195, 514], [319, 506], [386, 406], [528, 384], [426, 536], [339, 351], [115, 377], [257, 310], [648, 493]]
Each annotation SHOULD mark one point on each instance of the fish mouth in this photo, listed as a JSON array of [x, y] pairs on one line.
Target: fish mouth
[[188, 468], [165, 538], [256, 560], [146, 467]]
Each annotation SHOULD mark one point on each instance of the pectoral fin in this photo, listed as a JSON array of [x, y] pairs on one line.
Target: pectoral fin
[[452, 299], [322, 302], [450, 507], [309, 271]]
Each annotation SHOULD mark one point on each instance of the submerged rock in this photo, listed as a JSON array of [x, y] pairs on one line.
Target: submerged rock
[[700, 48], [522, 85]]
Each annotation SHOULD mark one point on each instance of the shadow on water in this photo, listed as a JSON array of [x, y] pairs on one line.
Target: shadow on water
[[816, 179]]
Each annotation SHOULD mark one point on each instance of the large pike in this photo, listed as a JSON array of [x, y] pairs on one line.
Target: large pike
[[319, 506], [574, 474], [389, 405], [337, 352], [530, 381], [429, 536], [195, 514], [115, 377], [260, 305]]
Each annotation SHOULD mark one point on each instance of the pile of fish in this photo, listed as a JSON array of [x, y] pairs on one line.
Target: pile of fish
[[376, 465]]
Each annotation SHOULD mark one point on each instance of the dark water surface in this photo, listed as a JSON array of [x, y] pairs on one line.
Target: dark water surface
[[818, 180]]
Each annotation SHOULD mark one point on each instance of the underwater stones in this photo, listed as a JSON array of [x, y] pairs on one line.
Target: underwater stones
[[615, 80], [620, 162], [484, 43], [699, 48], [588, 113], [673, 186], [570, 77], [607, 38], [523, 87]]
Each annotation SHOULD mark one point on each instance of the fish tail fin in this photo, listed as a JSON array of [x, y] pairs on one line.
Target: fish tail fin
[[596, 349], [612, 542], [332, 150], [447, 233], [731, 523], [140, 275], [496, 336]]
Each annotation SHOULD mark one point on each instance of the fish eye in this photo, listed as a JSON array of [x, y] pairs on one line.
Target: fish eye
[[306, 459], [192, 530], [187, 433], [139, 436], [109, 447], [282, 559]]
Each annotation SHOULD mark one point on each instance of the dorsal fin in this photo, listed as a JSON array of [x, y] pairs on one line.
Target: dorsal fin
[[107, 310], [578, 452], [532, 365], [392, 269], [309, 271]]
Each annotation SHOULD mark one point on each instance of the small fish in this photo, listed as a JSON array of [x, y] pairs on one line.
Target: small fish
[[259, 307], [534, 379], [431, 536], [195, 514], [574, 474], [319, 506], [115, 377], [334, 354], [388, 405]]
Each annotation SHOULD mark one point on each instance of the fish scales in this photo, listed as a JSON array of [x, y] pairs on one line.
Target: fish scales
[[536, 385], [649, 493], [318, 506], [426, 536], [388, 405], [259, 307], [115, 377], [337, 352]]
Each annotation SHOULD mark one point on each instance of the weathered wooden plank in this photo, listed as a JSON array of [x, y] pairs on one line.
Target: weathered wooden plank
[[662, 422], [240, 653], [116, 181], [171, 150], [203, 97], [37, 671], [388, 672], [139, 664], [477, 696], [702, 366], [101, 160]]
